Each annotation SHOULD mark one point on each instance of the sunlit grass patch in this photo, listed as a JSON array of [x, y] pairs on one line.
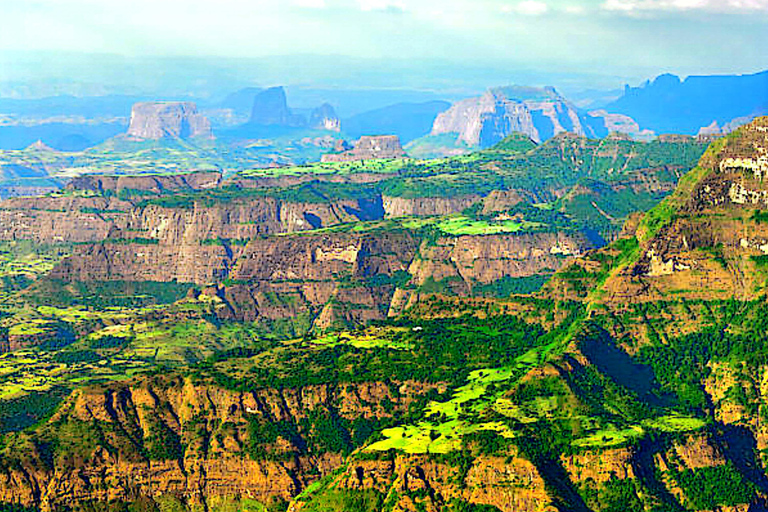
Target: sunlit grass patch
[[370, 338], [609, 437], [427, 437], [674, 424]]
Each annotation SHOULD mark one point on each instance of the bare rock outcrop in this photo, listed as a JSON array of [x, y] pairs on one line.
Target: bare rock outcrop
[[370, 147], [324, 118], [159, 120], [538, 113], [270, 108], [425, 206]]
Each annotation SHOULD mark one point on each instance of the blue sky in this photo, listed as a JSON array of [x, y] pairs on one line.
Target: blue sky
[[612, 37]]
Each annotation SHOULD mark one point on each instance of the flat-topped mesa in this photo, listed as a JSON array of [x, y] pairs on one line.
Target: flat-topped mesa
[[369, 148], [160, 120]]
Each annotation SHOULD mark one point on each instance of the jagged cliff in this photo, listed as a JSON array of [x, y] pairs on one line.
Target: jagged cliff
[[324, 117], [270, 108], [538, 113]]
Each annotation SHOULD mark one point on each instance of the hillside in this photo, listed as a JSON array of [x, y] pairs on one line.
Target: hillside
[[361, 336]]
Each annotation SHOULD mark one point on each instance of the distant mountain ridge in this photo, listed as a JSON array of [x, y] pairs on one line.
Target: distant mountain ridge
[[671, 105]]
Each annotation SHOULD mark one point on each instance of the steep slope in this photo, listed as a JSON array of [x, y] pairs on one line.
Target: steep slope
[[270, 107], [565, 401], [708, 239]]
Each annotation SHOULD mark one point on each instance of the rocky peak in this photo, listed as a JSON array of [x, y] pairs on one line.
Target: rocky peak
[[270, 107], [39, 145], [488, 119], [370, 147], [324, 118], [159, 120]]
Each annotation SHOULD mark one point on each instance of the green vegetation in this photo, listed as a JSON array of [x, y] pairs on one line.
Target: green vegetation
[[343, 501], [615, 495], [710, 487], [557, 383]]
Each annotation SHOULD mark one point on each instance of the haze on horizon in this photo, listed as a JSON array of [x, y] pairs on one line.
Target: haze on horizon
[[459, 44]]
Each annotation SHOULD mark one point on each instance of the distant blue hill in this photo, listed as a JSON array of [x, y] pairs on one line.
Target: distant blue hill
[[669, 105], [61, 136], [87, 106], [409, 121]]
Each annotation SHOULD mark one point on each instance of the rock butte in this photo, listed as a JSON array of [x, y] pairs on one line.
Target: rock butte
[[159, 120], [369, 148]]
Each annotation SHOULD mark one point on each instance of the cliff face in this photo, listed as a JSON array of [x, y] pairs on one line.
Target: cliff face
[[488, 119], [425, 206], [160, 184], [153, 121], [270, 107], [422, 483], [174, 437], [485, 259], [74, 218], [61, 219], [370, 147]]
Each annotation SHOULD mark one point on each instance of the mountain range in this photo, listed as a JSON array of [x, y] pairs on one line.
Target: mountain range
[[671, 105], [706, 104]]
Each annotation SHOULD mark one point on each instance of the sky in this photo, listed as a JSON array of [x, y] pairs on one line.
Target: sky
[[623, 39]]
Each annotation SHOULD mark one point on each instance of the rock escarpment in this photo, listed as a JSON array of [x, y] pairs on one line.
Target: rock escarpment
[[61, 219], [199, 442], [370, 147], [707, 240], [159, 184], [159, 120]]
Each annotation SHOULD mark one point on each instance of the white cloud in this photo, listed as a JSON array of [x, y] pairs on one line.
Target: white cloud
[[311, 4], [574, 9], [381, 5], [527, 7], [634, 6]]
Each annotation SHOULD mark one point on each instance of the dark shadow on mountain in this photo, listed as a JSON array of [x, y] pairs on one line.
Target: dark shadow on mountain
[[645, 470], [740, 447], [602, 352], [368, 209]]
